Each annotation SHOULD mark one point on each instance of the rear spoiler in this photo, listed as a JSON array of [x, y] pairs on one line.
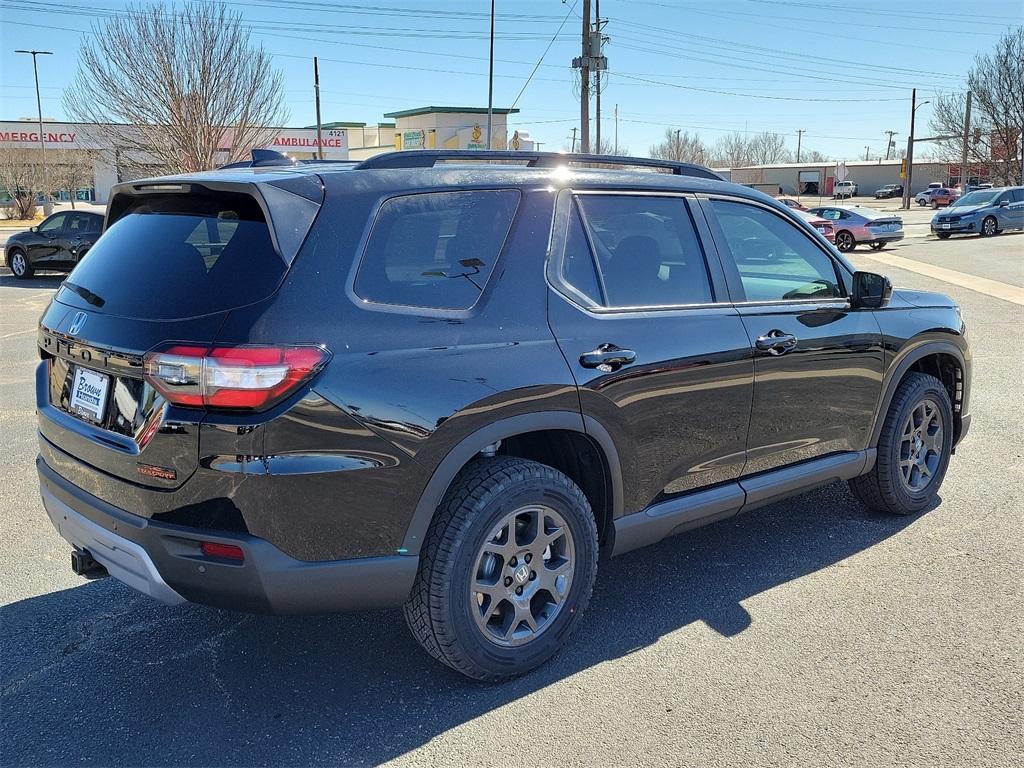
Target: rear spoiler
[[289, 204]]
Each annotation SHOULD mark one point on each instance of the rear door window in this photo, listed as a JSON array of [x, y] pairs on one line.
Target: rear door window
[[175, 256], [647, 250], [435, 250]]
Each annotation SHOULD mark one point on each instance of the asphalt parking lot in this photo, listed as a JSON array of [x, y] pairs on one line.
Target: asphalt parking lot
[[810, 632]]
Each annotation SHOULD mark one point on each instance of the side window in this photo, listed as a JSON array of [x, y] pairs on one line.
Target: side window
[[578, 268], [1017, 195], [647, 250], [54, 224], [1005, 196], [435, 250], [77, 224], [775, 260]]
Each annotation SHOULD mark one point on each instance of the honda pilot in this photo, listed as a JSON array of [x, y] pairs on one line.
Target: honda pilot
[[452, 381]]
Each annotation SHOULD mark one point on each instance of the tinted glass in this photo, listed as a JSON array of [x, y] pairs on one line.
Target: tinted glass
[[54, 223], [776, 261], [1017, 195], [647, 250], [79, 224], [435, 250], [578, 268], [175, 256]]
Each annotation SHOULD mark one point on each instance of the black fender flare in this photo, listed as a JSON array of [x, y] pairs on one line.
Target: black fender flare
[[901, 365], [472, 444]]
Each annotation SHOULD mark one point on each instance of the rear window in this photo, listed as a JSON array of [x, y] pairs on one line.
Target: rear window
[[435, 250], [175, 256]]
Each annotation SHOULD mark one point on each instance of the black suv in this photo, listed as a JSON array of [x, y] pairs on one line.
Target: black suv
[[57, 243], [450, 386]]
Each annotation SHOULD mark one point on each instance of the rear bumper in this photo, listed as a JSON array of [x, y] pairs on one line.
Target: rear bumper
[[165, 561], [883, 237]]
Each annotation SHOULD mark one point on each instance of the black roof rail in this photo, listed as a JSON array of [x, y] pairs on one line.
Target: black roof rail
[[271, 158], [428, 158]]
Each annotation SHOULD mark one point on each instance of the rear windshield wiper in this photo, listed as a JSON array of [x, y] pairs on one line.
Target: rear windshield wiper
[[85, 293]]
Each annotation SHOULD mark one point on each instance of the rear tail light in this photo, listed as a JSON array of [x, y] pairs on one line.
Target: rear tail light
[[252, 378]]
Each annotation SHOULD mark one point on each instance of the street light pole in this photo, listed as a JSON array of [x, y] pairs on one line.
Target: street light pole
[[47, 205], [490, 86], [914, 106]]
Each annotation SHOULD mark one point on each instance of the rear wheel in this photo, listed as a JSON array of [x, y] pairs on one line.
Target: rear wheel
[[18, 262], [913, 449], [877, 245], [989, 226], [845, 241], [935, 205], [507, 568]]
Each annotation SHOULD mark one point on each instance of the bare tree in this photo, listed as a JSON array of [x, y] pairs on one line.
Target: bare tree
[[21, 178], [732, 151], [767, 147], [683, 147], [812, 156], [996, 81], [70, 170], [171, 87]]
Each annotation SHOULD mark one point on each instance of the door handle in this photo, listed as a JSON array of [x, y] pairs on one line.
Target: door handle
[[776, 342], [607, 357]]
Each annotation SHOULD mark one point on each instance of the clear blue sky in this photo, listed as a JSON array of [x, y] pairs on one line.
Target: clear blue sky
[[842, 71]]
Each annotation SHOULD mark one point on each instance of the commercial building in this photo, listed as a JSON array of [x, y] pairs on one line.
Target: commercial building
[[425, 127], [869, 175]]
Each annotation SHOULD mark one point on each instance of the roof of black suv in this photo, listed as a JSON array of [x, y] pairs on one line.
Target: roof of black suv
[[433, 168]]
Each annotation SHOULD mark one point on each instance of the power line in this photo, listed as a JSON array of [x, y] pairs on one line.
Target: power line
[[541, 59]]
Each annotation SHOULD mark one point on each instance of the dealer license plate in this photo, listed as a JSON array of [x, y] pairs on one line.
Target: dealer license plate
[[89, 394], [945, 226]]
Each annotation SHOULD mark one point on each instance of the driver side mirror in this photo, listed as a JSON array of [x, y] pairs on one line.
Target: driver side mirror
[[1003, 203], [870, 291], [33, 229]]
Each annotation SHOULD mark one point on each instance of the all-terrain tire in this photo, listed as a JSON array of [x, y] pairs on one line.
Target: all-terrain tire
[[439, 610], [883, 488]]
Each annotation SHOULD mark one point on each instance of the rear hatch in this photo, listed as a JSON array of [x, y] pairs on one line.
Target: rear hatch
[[175, 259]]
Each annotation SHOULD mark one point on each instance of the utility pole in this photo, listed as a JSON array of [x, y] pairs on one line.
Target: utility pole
[[585, 82], [964, 176], [616, 129], [316, 88], [799, 138], [572, 147], [888, 142], [867, 153], [490, 85], [597, 36], [47, 203]]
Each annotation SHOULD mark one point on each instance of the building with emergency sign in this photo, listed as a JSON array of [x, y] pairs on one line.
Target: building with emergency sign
[[422, 128]]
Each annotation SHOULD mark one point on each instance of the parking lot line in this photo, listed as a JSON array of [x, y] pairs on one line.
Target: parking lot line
[[999, 290]]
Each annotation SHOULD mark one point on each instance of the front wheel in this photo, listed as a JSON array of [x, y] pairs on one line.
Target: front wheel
[[507, 569], [18, 262], [845, 242], [989, 226], [913, 449], [942, 235], [935, 205]]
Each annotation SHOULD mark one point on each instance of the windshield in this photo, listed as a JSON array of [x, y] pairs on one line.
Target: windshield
[[978, 197]]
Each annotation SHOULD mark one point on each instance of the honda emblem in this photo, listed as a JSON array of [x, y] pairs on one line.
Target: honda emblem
[[77, 323]]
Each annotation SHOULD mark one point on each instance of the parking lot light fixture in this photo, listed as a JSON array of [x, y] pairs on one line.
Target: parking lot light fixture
[[47, 204]]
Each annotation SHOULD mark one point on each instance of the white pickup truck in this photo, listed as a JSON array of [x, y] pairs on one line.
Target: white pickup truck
[[844, 189]]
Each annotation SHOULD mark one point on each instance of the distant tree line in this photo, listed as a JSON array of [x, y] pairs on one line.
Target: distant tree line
[[733, 150]]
